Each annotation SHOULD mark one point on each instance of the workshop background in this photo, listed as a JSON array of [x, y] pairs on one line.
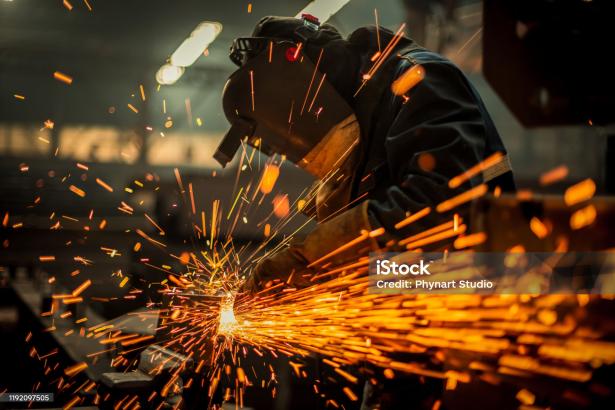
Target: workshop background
[[86, 85]]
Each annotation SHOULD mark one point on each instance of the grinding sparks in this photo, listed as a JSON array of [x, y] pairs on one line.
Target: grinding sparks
[[554, 175], [77, 191], [482, 166], [460, 199], [583, 217], [410, 78], [252, 89], [338, 318], [133, 108], [78, 290], [281, 206], [332, 314], [539, 228], [270, 176], [470, 240], [77, 368], [104, 184], [580, 192], [48, 124], [66, 79], [227, 317]]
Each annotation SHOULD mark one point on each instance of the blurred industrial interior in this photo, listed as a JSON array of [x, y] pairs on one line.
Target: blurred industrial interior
[[120, 46]]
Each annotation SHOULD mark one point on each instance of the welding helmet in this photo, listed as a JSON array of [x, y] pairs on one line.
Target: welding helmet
[[281, 99]]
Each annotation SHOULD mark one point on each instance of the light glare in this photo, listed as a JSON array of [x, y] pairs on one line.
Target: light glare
[[169, 74], [192, 47]]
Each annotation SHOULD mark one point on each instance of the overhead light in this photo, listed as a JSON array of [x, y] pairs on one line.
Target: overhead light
[[192, 47], [323, 9], [168, 74]]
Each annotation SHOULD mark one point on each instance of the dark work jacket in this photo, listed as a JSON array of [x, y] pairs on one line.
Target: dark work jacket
[[444, 117]]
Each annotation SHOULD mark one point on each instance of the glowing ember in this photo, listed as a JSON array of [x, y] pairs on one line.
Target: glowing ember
[[228, 322]]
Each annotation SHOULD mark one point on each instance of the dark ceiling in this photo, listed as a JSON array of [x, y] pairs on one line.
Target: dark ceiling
[[119, 45], [109, 52]]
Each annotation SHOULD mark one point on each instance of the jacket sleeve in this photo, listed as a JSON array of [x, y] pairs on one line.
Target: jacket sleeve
[[438, 133]]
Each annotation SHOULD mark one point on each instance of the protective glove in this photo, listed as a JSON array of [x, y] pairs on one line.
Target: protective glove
[[288, 264], [292, 263]]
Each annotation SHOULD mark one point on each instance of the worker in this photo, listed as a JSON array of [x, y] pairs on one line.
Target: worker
[[379, 156], [381, 153]]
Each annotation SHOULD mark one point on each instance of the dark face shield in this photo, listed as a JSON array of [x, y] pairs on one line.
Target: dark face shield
[[277, 101], [245, 48]]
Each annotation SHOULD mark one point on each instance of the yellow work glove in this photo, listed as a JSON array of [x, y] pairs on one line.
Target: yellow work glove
[[291, 264]]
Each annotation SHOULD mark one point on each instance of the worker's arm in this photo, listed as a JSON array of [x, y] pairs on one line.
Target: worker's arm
[[292, 264], [437, 134]]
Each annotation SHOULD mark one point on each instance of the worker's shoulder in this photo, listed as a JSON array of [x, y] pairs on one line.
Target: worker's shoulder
[[423, 56], [435, 64]]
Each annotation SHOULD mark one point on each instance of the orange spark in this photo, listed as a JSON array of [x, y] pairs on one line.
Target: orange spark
[[270, 176], [437, 237], [430, 231], [191, 198], [580, 192], [184, 258], [281, 207], [77, 191], [136, 340], [470, 240], [322, 80], [408, 80], [160, 230], [124, 282], [252, 88], [71, 403], [554, 175], [462, 198], [413, 218], [79, 289], [480, 167], [144, 235], [75, 369], [63, 77], [179, 179], [104, 184], [350, 394], [307, 93], [583, 217], [539, 228]]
